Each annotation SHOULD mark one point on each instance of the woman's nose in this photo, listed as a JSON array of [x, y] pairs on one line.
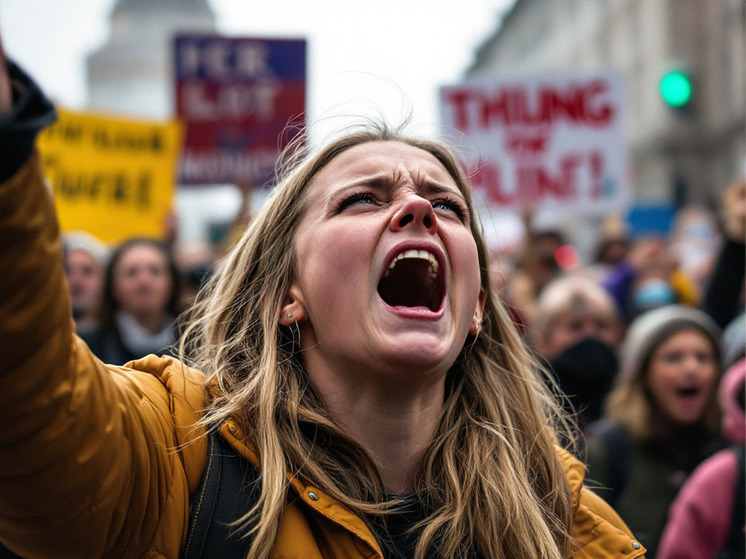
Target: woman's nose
[[694, 363], [414, 211]]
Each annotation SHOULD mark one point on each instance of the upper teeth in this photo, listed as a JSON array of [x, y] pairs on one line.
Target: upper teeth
[[422, 255]]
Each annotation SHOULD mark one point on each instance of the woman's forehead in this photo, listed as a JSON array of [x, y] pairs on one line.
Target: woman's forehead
[[380, 159], [139, 251]]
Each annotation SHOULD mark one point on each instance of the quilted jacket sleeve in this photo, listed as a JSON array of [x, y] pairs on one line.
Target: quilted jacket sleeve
[[88, 460]]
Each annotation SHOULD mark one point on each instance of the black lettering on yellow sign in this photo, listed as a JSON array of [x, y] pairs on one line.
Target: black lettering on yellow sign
[[111, 140], [112, 187], [68, 132]]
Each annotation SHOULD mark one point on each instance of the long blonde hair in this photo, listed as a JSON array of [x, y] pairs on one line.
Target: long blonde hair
[[490, 477]]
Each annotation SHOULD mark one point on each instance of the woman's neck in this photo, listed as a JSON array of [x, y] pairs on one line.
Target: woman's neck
[[395, 425]]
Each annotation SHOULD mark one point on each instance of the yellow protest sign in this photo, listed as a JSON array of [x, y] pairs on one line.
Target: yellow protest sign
[[111, 177]]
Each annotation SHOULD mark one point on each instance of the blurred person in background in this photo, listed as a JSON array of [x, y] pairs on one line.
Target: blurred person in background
[[141, 301], [86, 258], [707, 517], [535, 267], [724, 297], [502, 266], [577, 330], [661, 419], [196, 262], [611, 248], [649, 277], [694, 241]]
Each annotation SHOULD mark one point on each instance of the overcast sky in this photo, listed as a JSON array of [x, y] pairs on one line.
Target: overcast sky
[[385, 57]]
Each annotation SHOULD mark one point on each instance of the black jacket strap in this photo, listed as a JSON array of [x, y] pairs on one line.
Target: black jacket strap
[[227, 491]]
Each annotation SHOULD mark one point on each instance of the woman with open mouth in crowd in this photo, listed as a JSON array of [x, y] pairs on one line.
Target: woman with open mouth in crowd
[[361, 390], [662, 417]]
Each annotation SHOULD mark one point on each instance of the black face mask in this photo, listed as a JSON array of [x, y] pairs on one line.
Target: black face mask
[[585, 373]]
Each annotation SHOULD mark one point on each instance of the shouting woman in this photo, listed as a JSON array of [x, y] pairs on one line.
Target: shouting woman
[[349, 384]]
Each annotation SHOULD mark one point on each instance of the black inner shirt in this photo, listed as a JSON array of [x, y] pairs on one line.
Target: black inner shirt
[[393, 530]]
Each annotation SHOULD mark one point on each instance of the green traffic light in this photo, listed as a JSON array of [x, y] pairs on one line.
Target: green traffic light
[[676, 88]]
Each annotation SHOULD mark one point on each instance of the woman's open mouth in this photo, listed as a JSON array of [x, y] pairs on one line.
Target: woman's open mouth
[[413, 279], [688, 392]]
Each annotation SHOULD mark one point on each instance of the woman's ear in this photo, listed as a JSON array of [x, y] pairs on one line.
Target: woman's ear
[[476, 322], [292, 309]]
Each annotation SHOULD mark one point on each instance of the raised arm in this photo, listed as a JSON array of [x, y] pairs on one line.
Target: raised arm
[[722, 300], [88, 464]]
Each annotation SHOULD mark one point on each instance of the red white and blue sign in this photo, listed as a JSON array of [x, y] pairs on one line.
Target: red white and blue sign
[[242, 100]]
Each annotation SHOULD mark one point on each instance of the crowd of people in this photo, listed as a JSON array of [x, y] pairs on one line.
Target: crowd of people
[[638, 345], [360, 380]]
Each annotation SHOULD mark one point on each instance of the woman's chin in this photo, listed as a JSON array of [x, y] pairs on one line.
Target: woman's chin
[[419, 351]]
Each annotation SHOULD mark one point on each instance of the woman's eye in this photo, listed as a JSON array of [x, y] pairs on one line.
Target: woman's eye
[[673, 357], [357, 198], [451, 206], [705, 358]]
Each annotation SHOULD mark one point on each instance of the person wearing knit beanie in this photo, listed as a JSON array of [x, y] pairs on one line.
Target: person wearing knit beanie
[[661, 419], [90, 244], [651, 328], [86, 258], [704, 516]]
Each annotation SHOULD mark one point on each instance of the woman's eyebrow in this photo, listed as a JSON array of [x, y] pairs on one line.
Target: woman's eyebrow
[[431, 187], [376, 182], [384, 181]]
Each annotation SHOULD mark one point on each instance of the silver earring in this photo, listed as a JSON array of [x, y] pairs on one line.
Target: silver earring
[[289, 316]]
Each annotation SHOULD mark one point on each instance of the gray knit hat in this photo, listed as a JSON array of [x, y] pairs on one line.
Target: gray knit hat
[[83, 241], [650, 329], [734, 340]]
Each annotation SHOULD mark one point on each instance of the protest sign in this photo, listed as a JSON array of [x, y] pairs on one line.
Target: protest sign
[[552, 141], [237, 97], [111, 177]]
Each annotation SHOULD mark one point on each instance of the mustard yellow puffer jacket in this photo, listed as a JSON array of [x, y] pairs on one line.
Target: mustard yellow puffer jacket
[[89, 465]]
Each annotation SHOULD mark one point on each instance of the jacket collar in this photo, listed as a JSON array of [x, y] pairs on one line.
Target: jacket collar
[[310, 495], [596, 528]]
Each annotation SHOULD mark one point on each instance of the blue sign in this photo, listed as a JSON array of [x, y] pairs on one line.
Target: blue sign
[[242, 100]]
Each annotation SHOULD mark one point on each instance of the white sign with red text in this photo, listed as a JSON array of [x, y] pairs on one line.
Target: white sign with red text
[[552, 141]]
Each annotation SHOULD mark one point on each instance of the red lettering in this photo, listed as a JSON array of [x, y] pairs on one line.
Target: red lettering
[[459, 99], [562, 104], [534, 181], [597, 174], [487, 179], [527, 143], [526, 182], [538, 183], [496, 110], [510, 106], [601, 114]]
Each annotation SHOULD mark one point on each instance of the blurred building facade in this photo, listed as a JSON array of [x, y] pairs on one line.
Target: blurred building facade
[[677, 156], [132, 72]]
